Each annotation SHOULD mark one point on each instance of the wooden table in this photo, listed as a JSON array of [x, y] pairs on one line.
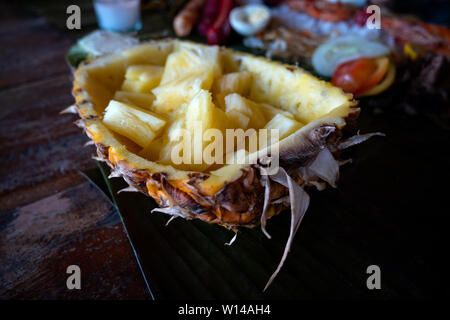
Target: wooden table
[[50, 215]]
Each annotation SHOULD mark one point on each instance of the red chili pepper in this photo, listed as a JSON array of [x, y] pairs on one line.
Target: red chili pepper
[[209, 14], [221, 29]]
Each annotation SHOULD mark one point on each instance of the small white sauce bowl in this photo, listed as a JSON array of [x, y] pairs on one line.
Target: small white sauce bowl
[[240, 23]]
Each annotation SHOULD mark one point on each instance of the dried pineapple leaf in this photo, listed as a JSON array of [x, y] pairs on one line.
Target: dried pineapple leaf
[[173, 211], [171, 218], [266, 182], [299, 203], [357, 139], [128, 189], [70, 109], [114, 174], [325, 167], [282, 200], [232, 239], [99, 159], [79, 124], [320, 186]]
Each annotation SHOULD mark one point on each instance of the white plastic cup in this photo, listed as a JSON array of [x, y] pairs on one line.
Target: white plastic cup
[[118, 15]]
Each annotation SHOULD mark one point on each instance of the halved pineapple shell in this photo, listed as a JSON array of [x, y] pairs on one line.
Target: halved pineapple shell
[[230, 195]]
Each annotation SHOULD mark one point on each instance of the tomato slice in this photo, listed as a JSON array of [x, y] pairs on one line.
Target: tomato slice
[[382, 68], [359, 75], [387, 81]]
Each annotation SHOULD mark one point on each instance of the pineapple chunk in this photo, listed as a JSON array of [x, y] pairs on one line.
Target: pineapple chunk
[[146, 73], [200, 114], [286, 125], [270, 111], [142, 78], [170, 140], [109, 74], [133, 86], [143, 100], [219, 99], [201, 111], [247, 107], [172, 95], [139, 125], [201, 108], [238, 119], [236, 82], [190, 60]]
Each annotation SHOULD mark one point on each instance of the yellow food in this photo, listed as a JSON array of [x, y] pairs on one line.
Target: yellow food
[[142, 78], [143, 100], [139, 125], [194, 87], [237, 82], [284, 124], [235, 102]]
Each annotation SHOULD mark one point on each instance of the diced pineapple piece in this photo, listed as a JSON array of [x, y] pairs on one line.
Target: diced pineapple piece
[[236, 82], [146, 73], [171, 145], [270, 111], [171, 139], [219, 99], [139, 125], [202, 112], [238, 119], [200, 115], [142, 78], [172, 95], [201, 108], [190, 60], [286, 125], [133, 86], [143, 100], [109, 74], [247, 107]]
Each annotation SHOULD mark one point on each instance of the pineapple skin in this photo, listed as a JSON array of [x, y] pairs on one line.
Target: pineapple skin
[[238, 201]]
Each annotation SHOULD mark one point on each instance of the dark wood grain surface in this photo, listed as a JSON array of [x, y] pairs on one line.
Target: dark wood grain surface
[[50, 216]]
